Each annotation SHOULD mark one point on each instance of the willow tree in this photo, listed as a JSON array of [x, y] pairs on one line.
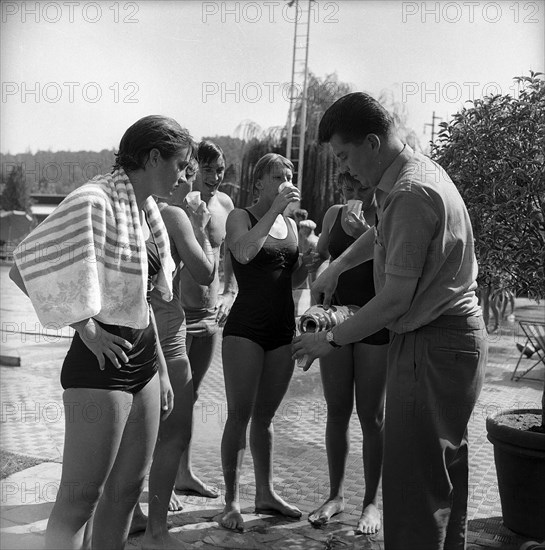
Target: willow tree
[[400, 114], [319, 189], [257, 142], [320, 175]]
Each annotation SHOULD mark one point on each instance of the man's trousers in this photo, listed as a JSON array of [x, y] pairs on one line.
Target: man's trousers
[[435, 375]]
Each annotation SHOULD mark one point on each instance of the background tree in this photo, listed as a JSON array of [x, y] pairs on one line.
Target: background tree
[[398, 109], [257, 142], [319, 186], [58, 171], [494, 151], [16, 194]]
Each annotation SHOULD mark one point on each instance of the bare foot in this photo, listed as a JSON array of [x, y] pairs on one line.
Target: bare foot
[[232, 518], [273, 504], [175, 504], [139, 521], [193, 486], [369, 522], [162, 541], [326, 511]]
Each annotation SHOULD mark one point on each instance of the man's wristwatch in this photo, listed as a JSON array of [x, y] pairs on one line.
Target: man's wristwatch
[[330, 339]]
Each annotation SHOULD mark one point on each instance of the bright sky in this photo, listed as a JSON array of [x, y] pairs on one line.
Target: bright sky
[[75, 75]]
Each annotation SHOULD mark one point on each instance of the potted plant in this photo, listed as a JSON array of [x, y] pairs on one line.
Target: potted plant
[[519, 454], [493, 150]]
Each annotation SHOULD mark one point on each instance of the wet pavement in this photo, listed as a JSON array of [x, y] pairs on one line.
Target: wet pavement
[[32, 424]]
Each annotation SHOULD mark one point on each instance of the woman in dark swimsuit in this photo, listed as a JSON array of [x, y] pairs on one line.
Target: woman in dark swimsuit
[[114, 377], [257, 363], [358, 369]]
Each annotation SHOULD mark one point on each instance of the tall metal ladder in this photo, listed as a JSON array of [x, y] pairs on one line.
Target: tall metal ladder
[[295, 147]]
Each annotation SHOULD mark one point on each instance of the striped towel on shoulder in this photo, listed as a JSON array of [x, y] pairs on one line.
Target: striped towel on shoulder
[[88, 258]]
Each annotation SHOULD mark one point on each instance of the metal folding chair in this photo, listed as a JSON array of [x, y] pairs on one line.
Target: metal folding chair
[[535, 335]]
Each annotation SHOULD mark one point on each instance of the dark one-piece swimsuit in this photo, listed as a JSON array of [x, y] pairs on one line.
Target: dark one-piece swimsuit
[[80, 368], [263, 311], [355, 286]]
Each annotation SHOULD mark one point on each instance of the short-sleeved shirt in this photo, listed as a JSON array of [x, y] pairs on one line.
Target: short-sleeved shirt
[[424, 231]]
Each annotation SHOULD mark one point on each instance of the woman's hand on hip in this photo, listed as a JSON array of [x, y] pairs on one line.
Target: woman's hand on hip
[[102, 343], [223, 307]]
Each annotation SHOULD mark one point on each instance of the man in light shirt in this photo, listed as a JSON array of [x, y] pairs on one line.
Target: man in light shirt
[[425, 281]]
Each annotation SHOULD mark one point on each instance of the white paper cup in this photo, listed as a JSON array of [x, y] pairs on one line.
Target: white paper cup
[[193, 199], [284, 185], [355, 207]]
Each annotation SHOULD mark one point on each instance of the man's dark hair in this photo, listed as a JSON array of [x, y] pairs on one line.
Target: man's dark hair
[[209, 152], [352, 117]]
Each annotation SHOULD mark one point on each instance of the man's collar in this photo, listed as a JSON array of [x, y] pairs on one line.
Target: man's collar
[[388, 179]]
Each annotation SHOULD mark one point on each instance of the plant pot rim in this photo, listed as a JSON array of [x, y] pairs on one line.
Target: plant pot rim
[[515, 437], [505, 412]]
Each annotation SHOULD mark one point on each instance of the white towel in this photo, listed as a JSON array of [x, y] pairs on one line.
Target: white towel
[[88, 258]]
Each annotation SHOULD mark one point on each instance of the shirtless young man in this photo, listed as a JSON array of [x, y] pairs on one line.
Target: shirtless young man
[[206, 309]]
